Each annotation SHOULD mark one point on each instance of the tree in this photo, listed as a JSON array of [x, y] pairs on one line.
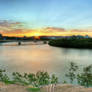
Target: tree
[[54, 79], [85, 78], [32, 79], [1, 74], [72, 72], [42, 78], [4, 77]]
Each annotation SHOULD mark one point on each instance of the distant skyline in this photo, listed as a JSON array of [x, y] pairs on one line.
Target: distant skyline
[[37, 14]]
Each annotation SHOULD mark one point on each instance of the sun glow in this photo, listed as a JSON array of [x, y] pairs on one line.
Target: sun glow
[[44, 32], [37, 35]]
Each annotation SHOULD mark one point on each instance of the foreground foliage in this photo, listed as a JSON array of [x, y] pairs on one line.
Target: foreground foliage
[[83, 78], [71, 73], [41, 78]]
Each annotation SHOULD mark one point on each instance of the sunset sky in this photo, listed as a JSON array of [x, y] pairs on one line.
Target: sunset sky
[[45, 17]]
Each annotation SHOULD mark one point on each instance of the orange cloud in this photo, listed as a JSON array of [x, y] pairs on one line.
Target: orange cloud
[[8, 28]]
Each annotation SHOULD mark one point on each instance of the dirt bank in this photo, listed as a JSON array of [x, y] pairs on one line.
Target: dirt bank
[[57, 88]]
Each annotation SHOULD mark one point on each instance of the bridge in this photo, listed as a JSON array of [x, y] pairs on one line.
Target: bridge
[[21, 42], [4, 41]]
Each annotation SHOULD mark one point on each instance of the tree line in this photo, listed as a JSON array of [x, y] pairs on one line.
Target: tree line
[[72, 42]]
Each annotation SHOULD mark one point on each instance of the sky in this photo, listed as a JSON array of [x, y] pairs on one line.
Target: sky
[[27, 15]]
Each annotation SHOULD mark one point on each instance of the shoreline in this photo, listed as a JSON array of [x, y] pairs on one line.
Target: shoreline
[[57, 88]]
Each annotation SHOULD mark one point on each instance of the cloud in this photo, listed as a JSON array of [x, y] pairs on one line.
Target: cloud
[[53, 29], [11, 28], [81, 30], [9, 24]]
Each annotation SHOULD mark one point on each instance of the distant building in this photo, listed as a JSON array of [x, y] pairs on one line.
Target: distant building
[[86, 36], [1, 36], [80, 37], [55, 37], [4, 38]]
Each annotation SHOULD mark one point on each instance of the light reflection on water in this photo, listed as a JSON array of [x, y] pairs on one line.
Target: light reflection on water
[[32, 58]]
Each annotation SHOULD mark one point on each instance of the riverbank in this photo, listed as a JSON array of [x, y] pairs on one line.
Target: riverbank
[[12, 88], [66, 88], [57, 88]]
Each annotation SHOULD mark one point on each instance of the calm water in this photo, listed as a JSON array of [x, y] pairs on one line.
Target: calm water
[[32, 58]]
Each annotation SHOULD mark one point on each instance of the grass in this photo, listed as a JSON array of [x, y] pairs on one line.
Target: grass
[[9, 82], [33, 89]]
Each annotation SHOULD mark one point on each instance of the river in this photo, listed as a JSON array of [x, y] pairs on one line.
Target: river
[[35, 57]]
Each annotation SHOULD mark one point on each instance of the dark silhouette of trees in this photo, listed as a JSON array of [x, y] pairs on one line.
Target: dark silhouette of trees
[[72, 43]]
